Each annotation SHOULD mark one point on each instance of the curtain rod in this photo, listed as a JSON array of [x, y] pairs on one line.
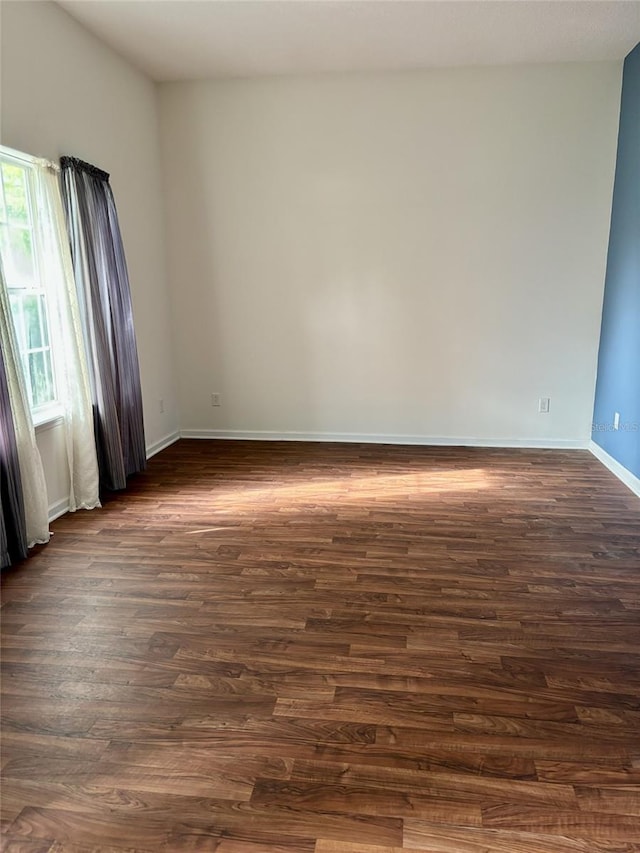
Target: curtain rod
[[28, 158]]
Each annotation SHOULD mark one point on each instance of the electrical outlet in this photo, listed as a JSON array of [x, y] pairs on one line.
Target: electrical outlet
[[616, 420], [161, 406], [543, 405], [215, 400]]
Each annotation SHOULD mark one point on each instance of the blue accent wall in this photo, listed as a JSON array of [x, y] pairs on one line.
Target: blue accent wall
[[618, 383]]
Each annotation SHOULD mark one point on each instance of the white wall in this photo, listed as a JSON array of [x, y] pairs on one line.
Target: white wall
[[64, 92], [402, 255]]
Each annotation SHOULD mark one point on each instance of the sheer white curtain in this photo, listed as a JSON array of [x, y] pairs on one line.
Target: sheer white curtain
[[71, 369], [34, 488], [72, 378]]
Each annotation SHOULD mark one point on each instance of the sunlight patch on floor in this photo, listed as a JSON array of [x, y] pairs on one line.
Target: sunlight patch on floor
[[340, 490]]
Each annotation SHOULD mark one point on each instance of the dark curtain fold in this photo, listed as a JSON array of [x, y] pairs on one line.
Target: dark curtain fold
[[13, 531], [104, 295]]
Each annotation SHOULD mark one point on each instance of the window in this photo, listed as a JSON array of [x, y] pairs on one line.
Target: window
[[21, 259]]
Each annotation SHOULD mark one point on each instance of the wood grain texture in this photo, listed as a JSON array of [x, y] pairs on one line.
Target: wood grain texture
[[303, 648]]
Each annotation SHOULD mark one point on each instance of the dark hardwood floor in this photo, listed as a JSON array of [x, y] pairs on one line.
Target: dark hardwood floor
[[279, 647]]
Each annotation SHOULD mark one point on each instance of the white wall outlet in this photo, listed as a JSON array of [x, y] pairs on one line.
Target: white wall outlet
[[215, 400], [161, 406], [616, 420], [543, 405]]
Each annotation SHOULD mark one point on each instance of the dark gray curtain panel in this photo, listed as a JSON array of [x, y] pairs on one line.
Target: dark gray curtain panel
[[104, 296], [13, 530]]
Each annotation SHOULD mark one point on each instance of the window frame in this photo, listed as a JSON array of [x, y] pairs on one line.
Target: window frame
[[52, 410]]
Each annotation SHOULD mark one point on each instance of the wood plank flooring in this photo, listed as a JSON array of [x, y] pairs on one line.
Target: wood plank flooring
[[307, 648]]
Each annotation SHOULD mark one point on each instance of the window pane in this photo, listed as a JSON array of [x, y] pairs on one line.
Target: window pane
[[15, 194], [41, 376], [32, 321], [50, 391], [3, 209], [17, 256], [15, 301]]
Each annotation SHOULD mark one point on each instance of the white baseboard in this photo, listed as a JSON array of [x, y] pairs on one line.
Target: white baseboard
[[630, 480], [369, 438], [58, 508], [159, 445]]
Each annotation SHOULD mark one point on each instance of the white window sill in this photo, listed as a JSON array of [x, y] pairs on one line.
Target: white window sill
[[47, 418]]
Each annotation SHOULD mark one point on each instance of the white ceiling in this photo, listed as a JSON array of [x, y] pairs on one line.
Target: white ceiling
[[191, 39]]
